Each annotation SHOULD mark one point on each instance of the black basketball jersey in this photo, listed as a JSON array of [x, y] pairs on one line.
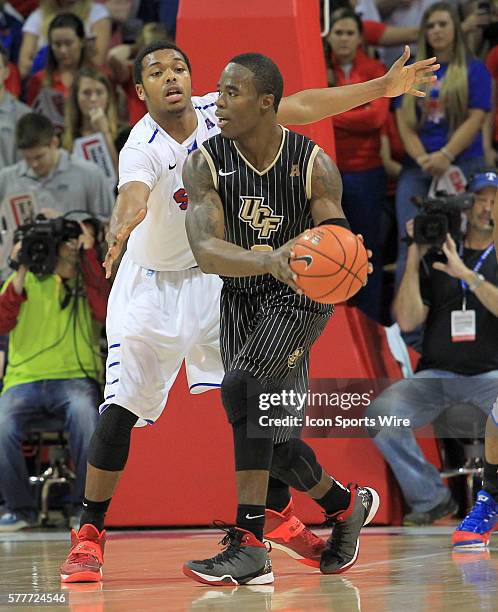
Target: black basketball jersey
[[263, 210]]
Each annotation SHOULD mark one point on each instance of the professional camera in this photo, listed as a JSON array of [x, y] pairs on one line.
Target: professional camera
[[41, 240], [441, 215]]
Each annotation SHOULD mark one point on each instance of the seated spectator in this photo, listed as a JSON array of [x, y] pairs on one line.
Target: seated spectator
[[13, 83], [400, 14], [459, 360], [91, 108], [10, 30], [366, 9], [392, 154], [124, 26], [66, 55], [375, 32], [120, 63], [403, 14], [95, 18], [10, 39], [53, 369], [479, 25], [445, 127], [58, 181], [490, 130], [357, 137], [167, 13], [25, 7], [11, 110]]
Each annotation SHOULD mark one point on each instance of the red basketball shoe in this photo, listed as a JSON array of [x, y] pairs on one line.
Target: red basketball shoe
[[86, 556], [286, 532]]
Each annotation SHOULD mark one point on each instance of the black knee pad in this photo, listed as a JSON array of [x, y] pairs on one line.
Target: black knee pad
[[294, 462], [240, 393], [110, 443], [251, 453]]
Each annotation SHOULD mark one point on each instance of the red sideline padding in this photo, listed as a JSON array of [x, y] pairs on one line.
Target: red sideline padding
[[288, 31], [180, 470]]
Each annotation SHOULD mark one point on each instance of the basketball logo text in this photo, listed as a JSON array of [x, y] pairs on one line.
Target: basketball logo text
[[314, 237], [259, 216]]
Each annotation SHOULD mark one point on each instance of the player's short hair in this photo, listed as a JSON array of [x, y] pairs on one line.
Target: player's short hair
[[4, 55], [158, 45], [267, 77], [34, 130]]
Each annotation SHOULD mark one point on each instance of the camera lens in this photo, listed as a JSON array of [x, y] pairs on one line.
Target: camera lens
[[38, 251], [433, 229]]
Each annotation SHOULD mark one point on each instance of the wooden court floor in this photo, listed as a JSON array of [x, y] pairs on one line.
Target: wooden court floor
[[399, 570]]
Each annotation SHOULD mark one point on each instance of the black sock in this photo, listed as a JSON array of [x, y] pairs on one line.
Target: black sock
[[336, 499], [490, 479], [94, 513], [278, 496], [251, 518]]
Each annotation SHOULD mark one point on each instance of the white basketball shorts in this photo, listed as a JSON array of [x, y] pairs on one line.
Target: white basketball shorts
[[155, 320]]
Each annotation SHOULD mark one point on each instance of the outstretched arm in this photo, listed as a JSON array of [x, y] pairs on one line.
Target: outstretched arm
[[205, 224], [315, 104]]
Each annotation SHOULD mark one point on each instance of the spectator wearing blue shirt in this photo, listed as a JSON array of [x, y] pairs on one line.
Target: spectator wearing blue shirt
[[10, 30], [445, 127]]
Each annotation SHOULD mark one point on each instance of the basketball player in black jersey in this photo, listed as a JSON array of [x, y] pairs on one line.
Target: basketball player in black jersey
[[252, 189]]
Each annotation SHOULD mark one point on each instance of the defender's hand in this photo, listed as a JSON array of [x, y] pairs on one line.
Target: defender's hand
[[403, 79], [116, 242]]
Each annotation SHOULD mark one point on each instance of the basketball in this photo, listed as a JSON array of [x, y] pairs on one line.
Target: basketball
[[331, 264]]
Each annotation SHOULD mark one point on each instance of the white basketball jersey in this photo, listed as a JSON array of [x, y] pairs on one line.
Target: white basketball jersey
[[152, 157]]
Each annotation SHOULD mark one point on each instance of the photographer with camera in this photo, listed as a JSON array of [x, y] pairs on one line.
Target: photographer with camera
[[53, 308], [457, 301], [60, 181], [444, 128]]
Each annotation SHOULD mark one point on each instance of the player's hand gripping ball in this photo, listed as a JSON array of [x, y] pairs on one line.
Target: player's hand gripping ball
[[331, 264]]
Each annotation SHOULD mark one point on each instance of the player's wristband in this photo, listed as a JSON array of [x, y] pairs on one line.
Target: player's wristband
[[336, 221]]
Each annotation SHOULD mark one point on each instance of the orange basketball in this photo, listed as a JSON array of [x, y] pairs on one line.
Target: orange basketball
[[331, 264]]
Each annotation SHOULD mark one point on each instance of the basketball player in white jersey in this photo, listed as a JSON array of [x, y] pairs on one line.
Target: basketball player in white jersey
[[162, 309]]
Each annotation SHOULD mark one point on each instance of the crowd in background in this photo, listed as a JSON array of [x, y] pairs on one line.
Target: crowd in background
[[389, 154], [71, 61]]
